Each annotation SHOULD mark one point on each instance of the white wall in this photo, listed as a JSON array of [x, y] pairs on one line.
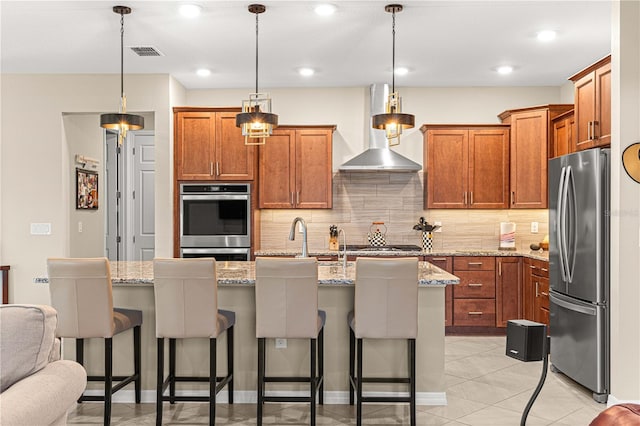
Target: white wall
[[625, 204], [35, 171]]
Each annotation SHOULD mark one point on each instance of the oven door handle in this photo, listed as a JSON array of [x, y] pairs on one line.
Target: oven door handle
[[215, 197]]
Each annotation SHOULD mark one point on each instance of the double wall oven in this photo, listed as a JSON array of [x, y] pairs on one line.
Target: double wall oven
[[215, 221]]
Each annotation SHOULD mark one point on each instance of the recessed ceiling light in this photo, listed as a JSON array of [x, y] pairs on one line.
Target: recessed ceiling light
[[325, 9], [401, 71], [546, 35], [306, 72], [203, 72], [505, 69], [190, 10]]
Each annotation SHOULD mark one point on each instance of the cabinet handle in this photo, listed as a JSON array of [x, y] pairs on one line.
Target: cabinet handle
[[217, 168], [292, 198], [438, 259], [470, 198], [465, 197], [588, 130], [532, 267], [474, 263], [474, 284], [297, 198], [593, 131], [513, 197], [537, 294], [544, 294], [544, 269], [499, 268], [475, 313], [211, 168]]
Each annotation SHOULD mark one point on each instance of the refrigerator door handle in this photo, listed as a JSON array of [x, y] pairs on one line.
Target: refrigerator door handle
[[587, 310], [572, 211], [560, 223]]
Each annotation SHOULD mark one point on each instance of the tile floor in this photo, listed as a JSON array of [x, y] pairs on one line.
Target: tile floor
[[484, 387]]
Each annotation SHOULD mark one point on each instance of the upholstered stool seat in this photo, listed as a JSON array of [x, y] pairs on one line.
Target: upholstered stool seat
[[81, 292], [186, 302], [385, 307], [287, 307]]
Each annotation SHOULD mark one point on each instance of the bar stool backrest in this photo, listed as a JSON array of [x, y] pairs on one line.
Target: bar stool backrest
[[186, 297], [287, 298], [386, 298], [80, 290]]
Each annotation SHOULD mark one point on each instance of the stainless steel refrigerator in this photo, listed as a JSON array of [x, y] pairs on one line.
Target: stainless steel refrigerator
[[579, 200]]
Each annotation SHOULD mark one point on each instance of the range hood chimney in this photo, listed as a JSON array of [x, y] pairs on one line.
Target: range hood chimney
[[379, 157]]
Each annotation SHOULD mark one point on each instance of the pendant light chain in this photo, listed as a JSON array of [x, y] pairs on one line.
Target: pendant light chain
[[257, 52], [122, 55], [393, 54]]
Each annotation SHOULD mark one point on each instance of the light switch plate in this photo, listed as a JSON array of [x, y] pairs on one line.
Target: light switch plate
[[281, 343], [534, 227], [40, 229], [437, 223]]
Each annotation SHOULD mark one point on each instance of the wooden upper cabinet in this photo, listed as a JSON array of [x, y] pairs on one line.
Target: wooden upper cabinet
[[295, 168], [531, 135], [593, 105], [209, 147], [563, 131], [466, 166]]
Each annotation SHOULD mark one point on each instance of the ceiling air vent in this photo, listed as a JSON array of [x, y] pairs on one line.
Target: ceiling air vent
[[146, 51]]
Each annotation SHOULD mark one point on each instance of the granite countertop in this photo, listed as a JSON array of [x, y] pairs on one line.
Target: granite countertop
[[539, 255], [243, 273]]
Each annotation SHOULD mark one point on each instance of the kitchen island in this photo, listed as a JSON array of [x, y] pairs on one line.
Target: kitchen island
[[133, 288]]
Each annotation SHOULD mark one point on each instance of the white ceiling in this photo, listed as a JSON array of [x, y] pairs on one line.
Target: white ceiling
[[443, 43]]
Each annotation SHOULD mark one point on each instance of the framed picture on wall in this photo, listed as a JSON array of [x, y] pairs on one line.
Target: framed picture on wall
[[86, 189]]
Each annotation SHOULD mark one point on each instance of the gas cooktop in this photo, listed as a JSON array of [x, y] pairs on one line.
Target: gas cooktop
[[391, 247]]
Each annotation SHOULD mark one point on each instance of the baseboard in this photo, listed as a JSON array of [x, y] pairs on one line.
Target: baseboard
[[612, 400], [250, 397]]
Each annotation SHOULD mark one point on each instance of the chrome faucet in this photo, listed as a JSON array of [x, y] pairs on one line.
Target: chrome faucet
[[292, 235], [344, 247]]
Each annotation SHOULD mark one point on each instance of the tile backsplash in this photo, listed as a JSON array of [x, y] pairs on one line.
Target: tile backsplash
[[397, 200]]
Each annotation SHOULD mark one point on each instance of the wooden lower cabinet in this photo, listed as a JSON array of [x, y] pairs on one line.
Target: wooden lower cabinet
[[446, 263], [474, 301], [508, 290], [535, 294]]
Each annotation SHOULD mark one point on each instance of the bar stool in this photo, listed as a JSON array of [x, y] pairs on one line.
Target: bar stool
[[81, 292], [186, 302], [386, 307], [287, 307]]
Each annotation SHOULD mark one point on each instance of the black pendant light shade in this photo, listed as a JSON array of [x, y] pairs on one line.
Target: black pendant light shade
[[393, 121], [121, 121], [256, 119]]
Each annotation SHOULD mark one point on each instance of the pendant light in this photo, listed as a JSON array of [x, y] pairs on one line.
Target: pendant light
[[122, 122], [256, 120], [393, 120]]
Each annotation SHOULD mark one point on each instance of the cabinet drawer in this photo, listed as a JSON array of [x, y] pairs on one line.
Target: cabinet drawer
[[480, 284], [539, 268], [477, 312], [542, 292], [474, 263]]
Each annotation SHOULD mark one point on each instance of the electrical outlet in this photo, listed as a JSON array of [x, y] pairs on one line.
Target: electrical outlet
[[79, 226], [534, 227], [40, 229], [281, 343], [438, 224]]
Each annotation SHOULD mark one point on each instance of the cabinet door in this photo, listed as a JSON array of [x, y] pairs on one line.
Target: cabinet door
[[194, 146], [234, 159], [445, 263], [528, 293], [508, 290], [313, 169], [562, 137], [585, 111], [603, 105], [541, 304], [529, 134], [447, 160], [489, 169], [277, 165]]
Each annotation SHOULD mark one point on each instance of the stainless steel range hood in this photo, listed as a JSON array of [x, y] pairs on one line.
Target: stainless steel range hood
[[379, 157]]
